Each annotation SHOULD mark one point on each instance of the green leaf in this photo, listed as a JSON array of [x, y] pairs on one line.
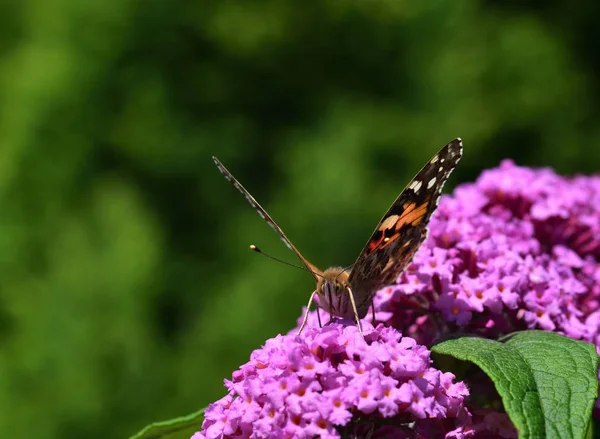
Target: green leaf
[[179, 428], [548, 382]]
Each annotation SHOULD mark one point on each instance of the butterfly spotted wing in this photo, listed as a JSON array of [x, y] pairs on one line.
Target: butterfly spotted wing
[[316, 273], [402, 229]]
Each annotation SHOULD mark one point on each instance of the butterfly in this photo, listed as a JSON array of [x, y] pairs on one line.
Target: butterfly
[[348, 292]]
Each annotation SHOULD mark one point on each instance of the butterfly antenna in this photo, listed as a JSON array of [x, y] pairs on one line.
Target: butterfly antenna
[[257, 250]]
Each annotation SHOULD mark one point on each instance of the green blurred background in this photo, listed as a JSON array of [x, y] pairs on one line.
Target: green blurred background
[[127, 289]]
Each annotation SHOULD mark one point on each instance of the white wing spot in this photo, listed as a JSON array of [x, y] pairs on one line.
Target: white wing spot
[[440, 169], [416, 185], [434, 159], [431, 182], [389, 222], [442, 160]]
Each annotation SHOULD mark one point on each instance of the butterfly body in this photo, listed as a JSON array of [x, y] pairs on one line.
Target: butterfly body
[[389, 250], [333, 292]]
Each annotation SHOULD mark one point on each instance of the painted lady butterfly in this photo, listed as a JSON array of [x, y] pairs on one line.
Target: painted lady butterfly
[[348, 293]]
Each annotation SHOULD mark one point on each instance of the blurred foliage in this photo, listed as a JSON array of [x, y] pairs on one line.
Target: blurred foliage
[[127, 291]]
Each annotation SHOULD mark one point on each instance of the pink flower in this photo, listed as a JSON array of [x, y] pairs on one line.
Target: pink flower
[[517, 249], [325, 380]]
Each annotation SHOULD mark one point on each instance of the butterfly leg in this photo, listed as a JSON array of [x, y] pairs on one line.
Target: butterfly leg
[[355, 311], [373, 311], [312, 296], [319, 317], [330, 305]]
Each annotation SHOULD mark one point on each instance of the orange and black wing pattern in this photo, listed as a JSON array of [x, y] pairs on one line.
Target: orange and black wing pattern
[[402, 229]]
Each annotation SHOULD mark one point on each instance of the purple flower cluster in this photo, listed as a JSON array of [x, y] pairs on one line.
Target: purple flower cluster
[[321, 383], [517, 249]]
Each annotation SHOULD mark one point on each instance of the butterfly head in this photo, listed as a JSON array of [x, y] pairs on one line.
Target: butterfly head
[[333, 292]]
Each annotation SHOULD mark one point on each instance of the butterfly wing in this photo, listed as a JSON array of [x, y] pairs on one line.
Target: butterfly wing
[[402, 229], [264, 215]]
